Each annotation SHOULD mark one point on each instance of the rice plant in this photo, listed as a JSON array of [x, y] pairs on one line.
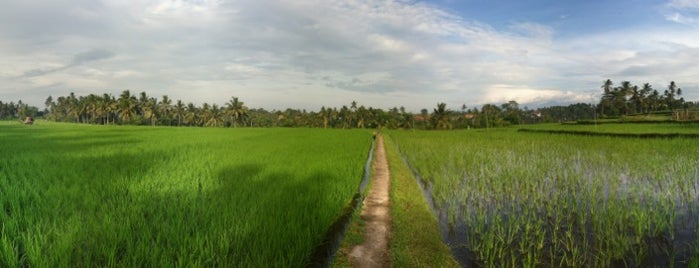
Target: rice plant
[[85, 196], [536, 199]]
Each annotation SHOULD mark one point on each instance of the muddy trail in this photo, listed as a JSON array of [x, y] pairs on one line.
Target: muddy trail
[[374, 251]]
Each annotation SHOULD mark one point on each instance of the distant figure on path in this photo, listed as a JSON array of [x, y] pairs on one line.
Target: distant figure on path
[[29, 120]]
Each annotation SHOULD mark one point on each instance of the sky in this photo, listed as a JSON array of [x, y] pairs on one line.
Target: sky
[[381, 53]]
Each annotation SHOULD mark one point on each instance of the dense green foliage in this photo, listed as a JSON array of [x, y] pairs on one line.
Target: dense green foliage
[[19, 110], [531, 199], [85, 196], [141, 109], [630, 99], [130, 109]]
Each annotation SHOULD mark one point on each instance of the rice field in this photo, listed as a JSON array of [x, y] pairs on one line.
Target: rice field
[[516, 199], [626, 128], [87, 196]]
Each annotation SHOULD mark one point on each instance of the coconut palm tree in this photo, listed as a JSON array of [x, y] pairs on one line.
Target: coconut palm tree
[[164, 108], [361, 116], [49, 105], [127, 107], [150, 110], [440, 117], [607, 96], [191, 114], [179, 110], [644, 98], [236, 110], [325, 116], [73, 108], [213, 117]]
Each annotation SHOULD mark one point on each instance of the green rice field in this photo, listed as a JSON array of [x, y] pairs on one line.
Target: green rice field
[[520, 199], [95, 196], [632, 128]]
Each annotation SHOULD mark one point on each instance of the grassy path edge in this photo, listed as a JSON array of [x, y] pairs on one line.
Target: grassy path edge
[[416, 240]]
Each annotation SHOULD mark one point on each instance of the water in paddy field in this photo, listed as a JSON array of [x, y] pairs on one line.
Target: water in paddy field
[[454, 233], [675, 247]]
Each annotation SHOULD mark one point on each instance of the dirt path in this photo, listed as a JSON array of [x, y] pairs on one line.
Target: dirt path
[[376, 216]]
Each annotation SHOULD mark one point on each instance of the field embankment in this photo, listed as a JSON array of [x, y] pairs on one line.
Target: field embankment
[[374, 250], [415, 241], [80, 195], [639, 130]]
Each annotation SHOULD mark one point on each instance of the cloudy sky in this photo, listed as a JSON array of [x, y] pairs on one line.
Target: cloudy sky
[[313, 53]]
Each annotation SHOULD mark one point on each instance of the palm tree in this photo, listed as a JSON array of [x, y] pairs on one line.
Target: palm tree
[[491, 115], [325, 115], [73, 108], [150, 109], [91, 108], [236, 110], [127, 106], [82, 109], [361, 116], [644, 100], [345, 116], [670, 96], [102, 109], [213, 117], [607, 95], [191, 114], [179, 110], [621, 98], [49, 105], [352, 116], [440, 117], [164, 108]]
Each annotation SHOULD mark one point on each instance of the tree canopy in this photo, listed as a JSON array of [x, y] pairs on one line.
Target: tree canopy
[[627, 99], [142, 109]]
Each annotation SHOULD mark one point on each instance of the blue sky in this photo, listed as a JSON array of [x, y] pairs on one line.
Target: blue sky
[[566, 17], [312, 53]]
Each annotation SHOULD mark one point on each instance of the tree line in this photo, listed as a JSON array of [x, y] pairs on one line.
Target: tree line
[[627, 99], [142, 109], [12, 110]]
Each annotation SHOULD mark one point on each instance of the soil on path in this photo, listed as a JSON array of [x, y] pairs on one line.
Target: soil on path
[[373, 252]]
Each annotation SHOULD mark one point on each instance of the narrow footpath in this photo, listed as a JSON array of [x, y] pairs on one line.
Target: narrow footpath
[[374, 251]]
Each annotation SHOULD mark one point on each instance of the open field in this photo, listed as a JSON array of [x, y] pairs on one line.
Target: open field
[[515, 199], [81, 195], [633, 128]]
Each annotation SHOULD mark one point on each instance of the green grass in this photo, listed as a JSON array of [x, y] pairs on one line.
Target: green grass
[[415, 241], [77, 195], [537, 199], [354, 235], [639, 128], [647, 117]]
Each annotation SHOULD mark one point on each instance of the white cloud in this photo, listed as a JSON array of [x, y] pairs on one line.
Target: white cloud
[[681, 19], [684, 12], [502, 93], [684, 3], [306, 54]]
